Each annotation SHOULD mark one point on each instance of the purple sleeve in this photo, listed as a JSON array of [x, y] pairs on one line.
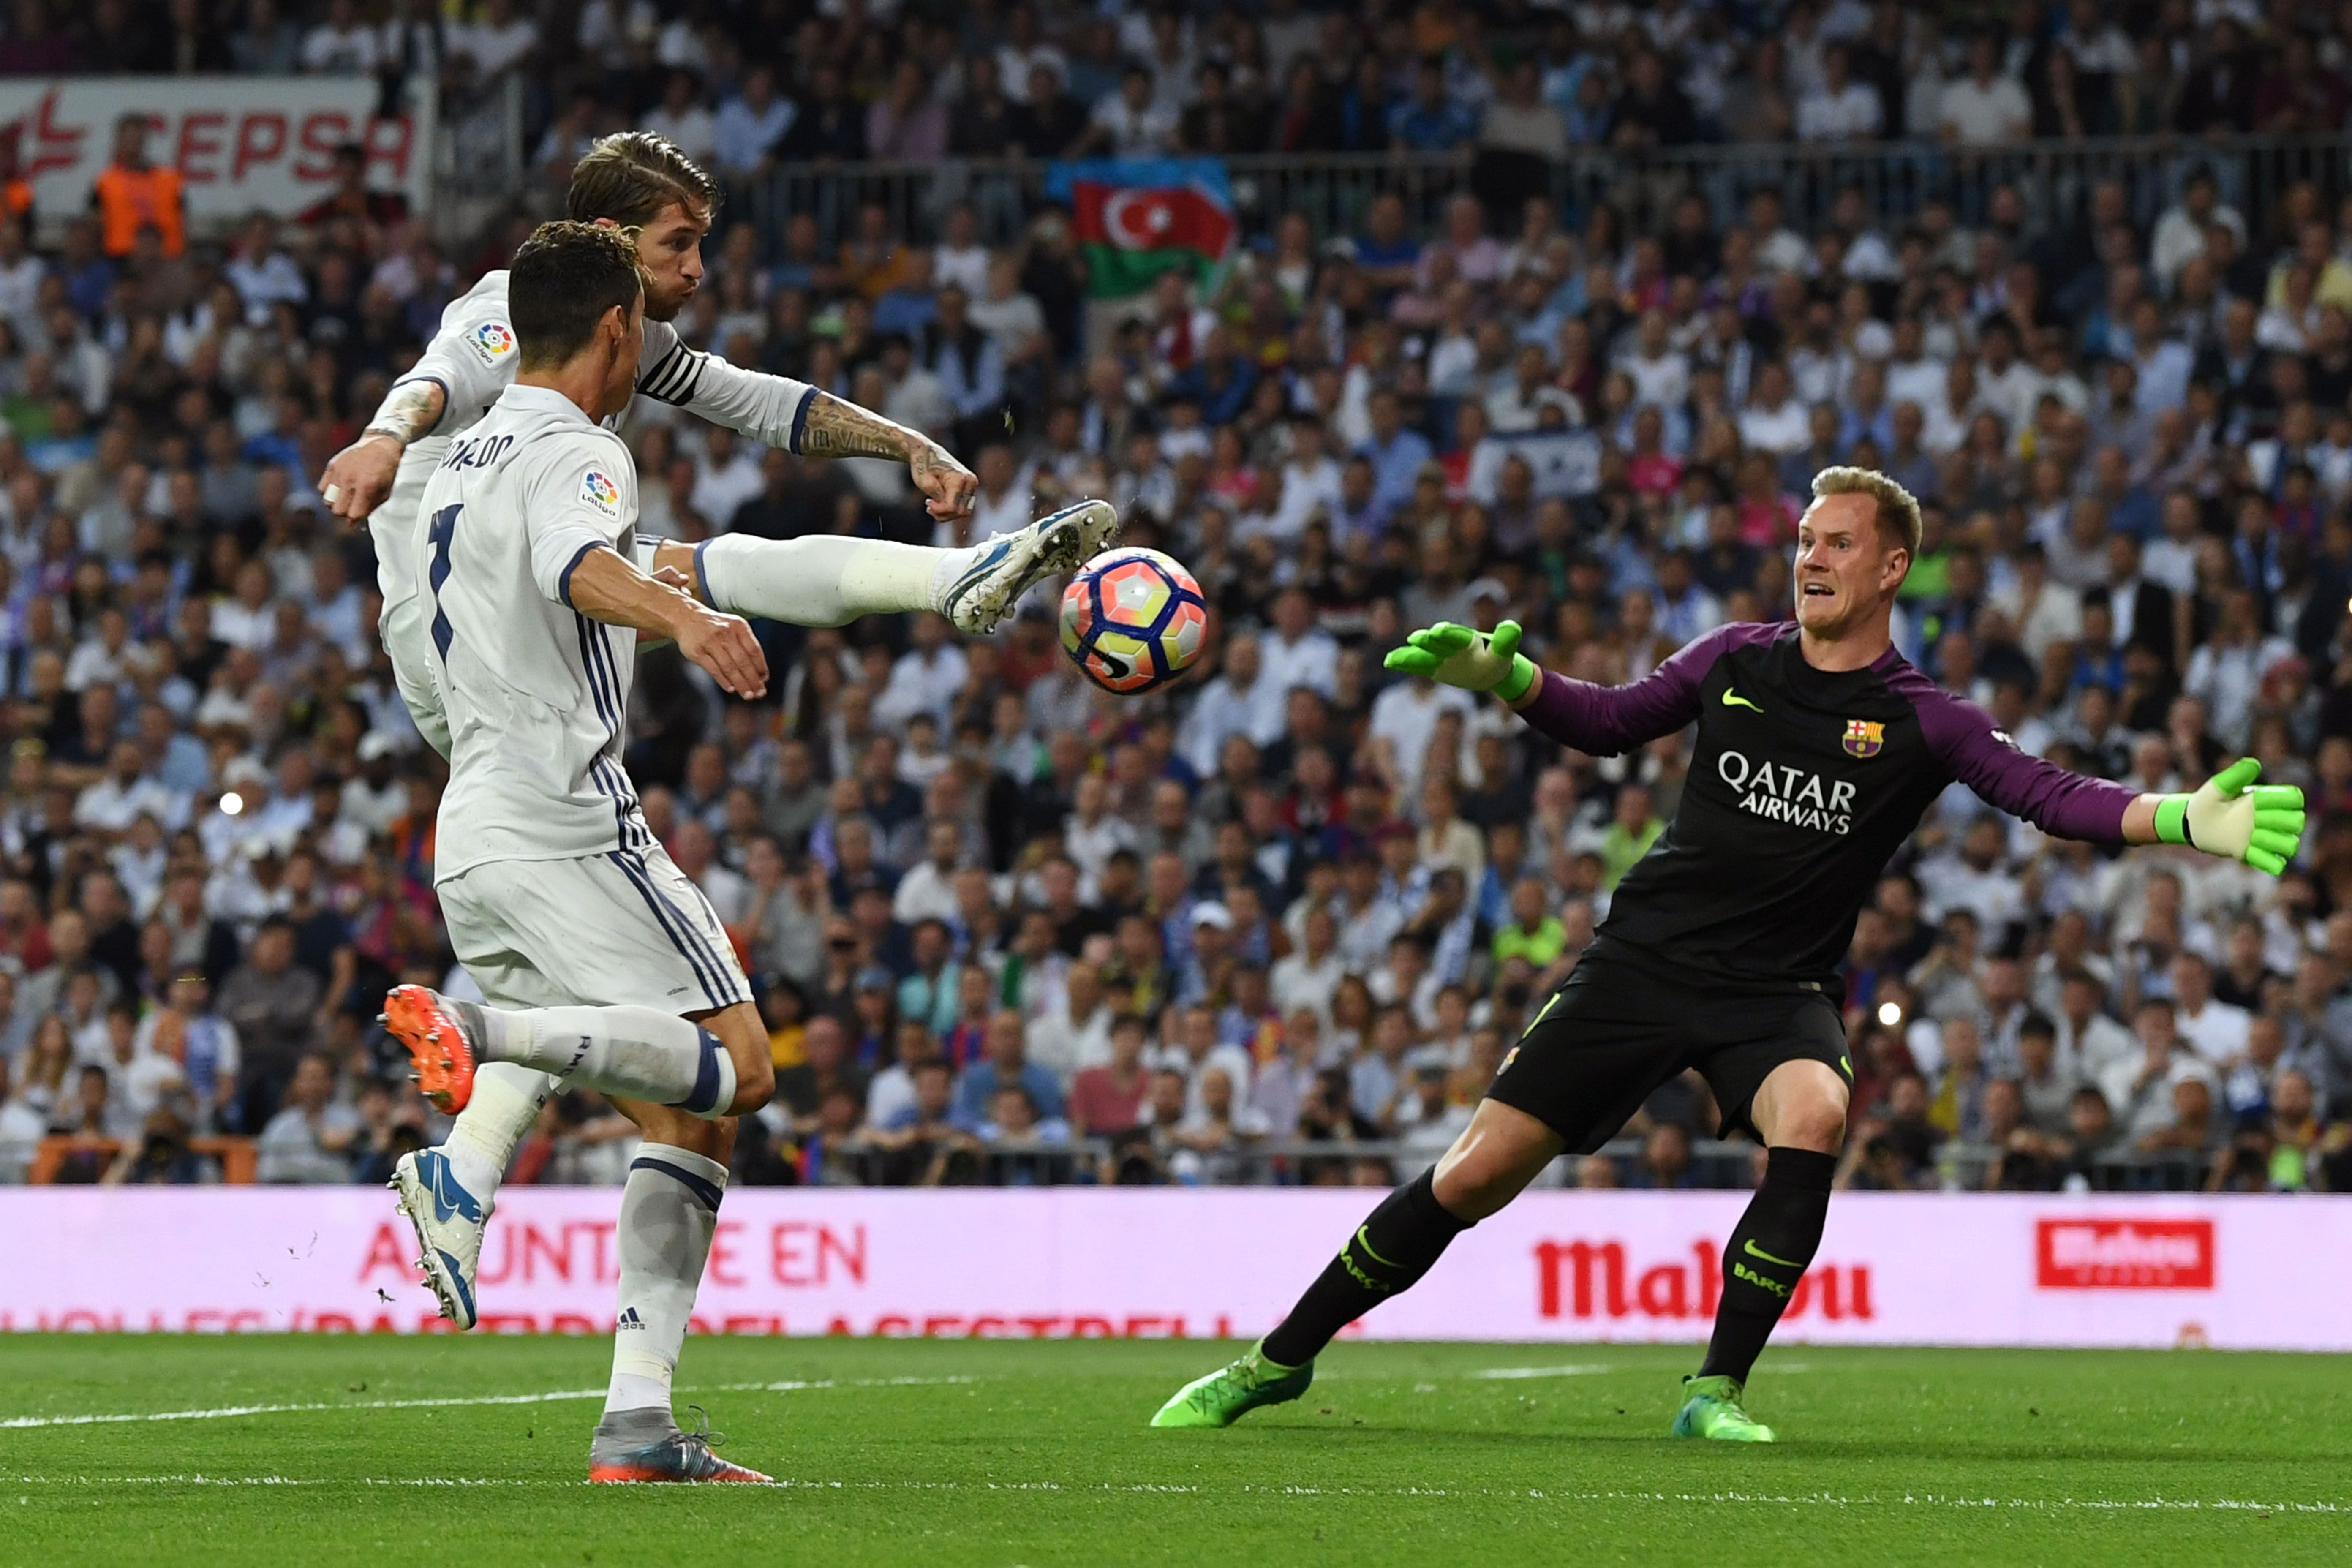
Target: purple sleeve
[[1604, 721], [2057, 800]]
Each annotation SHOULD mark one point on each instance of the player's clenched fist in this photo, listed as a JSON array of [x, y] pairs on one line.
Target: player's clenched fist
[[359, 476], [723, 645], [1475, 661], [949, 488]]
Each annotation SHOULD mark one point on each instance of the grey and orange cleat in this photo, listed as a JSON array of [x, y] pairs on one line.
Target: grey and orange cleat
[[441, 1036], [647, 1445]]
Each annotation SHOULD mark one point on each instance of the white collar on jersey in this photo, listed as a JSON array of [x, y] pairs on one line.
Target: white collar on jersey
[[545, 399]]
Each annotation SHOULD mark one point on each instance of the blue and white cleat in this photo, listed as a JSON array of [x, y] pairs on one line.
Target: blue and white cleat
[[1003, 569], [647, 1445], [449, 1222]]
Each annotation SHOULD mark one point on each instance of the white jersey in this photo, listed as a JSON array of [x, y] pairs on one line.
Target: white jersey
[[472, 360], [535, 692]]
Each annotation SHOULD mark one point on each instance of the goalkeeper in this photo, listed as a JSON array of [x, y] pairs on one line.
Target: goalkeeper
[[1819, 747]]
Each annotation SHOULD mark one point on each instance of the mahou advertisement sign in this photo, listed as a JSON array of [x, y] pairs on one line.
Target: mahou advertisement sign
[[1894, 1269]]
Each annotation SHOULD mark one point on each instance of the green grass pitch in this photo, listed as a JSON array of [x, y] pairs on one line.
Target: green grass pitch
[[1000, 1453]]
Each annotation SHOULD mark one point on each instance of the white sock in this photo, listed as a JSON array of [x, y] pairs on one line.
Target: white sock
[[668, 1211], [823, 579], [639, 1052], [506, 1101]]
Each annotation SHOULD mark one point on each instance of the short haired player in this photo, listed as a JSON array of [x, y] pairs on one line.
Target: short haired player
[[601, 963], [1817, 747]]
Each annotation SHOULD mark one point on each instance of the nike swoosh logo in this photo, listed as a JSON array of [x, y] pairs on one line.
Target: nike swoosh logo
[[1363, 1240], [1733, 699], [1755, 1251], [449, 1199]]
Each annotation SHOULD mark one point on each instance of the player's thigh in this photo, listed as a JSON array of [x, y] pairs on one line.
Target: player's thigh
[[1599, 1046], [607, 931], [1807, 1104]]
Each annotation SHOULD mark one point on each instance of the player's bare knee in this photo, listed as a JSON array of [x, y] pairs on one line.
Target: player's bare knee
[[1493, 1159], [753, 1090]]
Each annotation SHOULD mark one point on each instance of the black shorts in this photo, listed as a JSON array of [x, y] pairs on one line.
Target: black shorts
[[1622, 1024]]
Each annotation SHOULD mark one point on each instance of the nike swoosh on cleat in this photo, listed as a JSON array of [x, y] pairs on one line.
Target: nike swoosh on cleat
[[1755, 1251], [1733, 699], [449, 1200], [457, 1283]]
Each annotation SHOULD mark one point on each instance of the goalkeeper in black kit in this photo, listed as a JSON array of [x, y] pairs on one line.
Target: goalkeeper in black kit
[[1819, 747]]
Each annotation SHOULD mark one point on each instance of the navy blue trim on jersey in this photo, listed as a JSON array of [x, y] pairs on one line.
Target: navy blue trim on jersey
[[439, 418], [651, 383], [675, 377], [608, 715], [706, 1192], [563, 583], [442, 531], [702, 576], [800, 421], [686, 941]]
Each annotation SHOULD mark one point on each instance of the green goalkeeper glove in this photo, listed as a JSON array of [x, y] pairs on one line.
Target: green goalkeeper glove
[[2235, 817], [1474, 662]]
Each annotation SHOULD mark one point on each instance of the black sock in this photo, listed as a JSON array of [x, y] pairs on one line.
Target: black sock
[[1766, 1254], [1389, 1250]]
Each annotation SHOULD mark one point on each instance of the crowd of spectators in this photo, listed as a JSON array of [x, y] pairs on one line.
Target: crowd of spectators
[[743, 84], [1283, 921]]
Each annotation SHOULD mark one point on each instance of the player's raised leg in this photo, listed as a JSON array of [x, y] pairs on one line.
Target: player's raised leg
[[1800, 1111], [1493, 1159], [830, 580], [641, 1053], [670, 1211]]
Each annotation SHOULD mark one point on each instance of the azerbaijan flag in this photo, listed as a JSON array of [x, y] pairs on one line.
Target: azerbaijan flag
[[1138, 218]]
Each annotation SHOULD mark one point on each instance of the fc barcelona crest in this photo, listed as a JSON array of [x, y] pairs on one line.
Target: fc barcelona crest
[[1864, 738]]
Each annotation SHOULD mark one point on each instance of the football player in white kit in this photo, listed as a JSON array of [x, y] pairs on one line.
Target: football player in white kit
[[601, 963], [646, 186]]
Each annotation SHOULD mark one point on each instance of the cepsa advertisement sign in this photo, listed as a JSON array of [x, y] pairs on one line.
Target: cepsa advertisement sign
[[239, 143], [2247, 1272]]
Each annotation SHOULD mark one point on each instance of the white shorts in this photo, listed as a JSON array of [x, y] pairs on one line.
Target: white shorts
[[626, 929]]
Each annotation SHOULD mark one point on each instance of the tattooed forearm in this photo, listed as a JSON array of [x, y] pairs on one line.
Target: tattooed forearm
[[837, 429], [409, 410]]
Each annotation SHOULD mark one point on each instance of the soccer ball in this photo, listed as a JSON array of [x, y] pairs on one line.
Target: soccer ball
[[1132, 620]]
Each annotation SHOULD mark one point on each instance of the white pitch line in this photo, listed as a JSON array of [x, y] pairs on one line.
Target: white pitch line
[[224, 1412], [1816, 1499], [1514, 1372]]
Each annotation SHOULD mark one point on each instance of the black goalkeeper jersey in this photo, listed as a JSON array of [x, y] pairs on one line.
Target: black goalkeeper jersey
[[1803, 784]]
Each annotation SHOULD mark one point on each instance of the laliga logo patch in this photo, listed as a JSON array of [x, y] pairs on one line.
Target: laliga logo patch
[[493, 341], [600, 493], [1864, 738]]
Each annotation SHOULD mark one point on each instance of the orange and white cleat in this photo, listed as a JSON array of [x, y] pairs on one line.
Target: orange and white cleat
[[440, 1038], [647, 1445]]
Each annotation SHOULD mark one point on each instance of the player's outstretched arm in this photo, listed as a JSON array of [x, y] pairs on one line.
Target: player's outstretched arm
[[800, 418], [1603, 721], [836, 428], [604, 585], [358, 478], [2230, 816]]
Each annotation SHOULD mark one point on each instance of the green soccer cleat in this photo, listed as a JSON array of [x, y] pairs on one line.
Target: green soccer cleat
[[1713, 1410], [1231, 1392]]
